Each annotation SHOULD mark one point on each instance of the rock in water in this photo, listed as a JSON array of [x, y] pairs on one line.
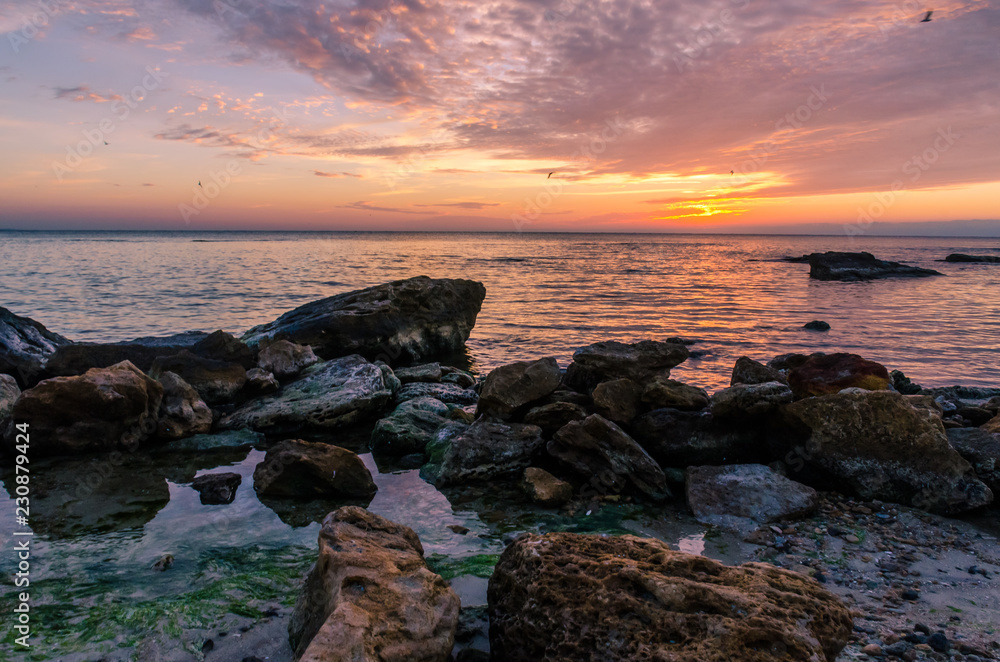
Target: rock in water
[[961, 257], [217, 489], [748, 371], [641, 362], [371, 597], [296, 468], [329, 395], [410, 427], [285, 359], [510, 387], [486, 449], [816, 325], [25, 345], [565, 596], [743, 496], [182, 412], [104, 409], [399, 322], [601, 452], [835, 265], [878, 446], [544, 488], [821, 374]]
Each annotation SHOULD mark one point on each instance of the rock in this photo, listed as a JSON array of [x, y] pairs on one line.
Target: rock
[[217, 489], [925, 402], [9, 393], [816, 325], [565, 596], [329, 395], [511, 387], [163, 563], [222, 346], [976, 416], [667, 393], [618, 400], [486, 449], [603, 454], [104, 409], [877, 446], [411, 426], [748, 371], [25, 345], [785, 362], [872, 650], [834, 265], [400, 322], [216, 381], [830, 373], [285, 359], [641, 362], [681, 439], [902, 383], [371, 597], [984, 259], [447, 393], [296, 468], [260, 382], [742, 497], [545, 489], [748, 400], [451, 375], [425, 372], [182, 411], [992, 425], [554, 415], [981, 449]]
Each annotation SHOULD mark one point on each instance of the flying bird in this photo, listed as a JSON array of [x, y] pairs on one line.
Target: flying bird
[[199, 183], [927, 19], [732, 172], [105, 142], [550, 174]]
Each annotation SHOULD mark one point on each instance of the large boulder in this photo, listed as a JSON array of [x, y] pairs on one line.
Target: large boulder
[[565, 596], [9, 393], [641, 362], [743, 496], [511, 387], [821, 374], [296, 468], [876, 445], [330, 395], [486, 449], [25, 345], [681, 438], [604, 455], [217, 382], [411, 426], [399, 322], [182, 411], [370, 597], [834, 265], [104, 409], [982, 450], [744, 401], [748, 371], [285, 359]]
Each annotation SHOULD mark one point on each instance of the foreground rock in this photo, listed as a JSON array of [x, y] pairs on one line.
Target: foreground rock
[[821, 374], [371, 597], [399, 322], [296, 468], [182, 412], [511, 387], [104, 409], [641, 362], [486, 449], [329, 395], [876, 445], [604, 455], [961, 257], [545, 489], [217, 489], [742, 497], [411, 426], [25, 345], [834, 265], [563, 596]]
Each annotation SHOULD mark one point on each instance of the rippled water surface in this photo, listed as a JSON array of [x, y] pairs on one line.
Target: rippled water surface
[[546, 293]]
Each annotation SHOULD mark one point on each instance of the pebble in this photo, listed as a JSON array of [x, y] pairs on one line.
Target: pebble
[[850, 537], [872, 649]]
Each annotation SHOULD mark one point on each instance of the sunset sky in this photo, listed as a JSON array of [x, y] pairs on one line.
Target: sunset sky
[[427, 115]]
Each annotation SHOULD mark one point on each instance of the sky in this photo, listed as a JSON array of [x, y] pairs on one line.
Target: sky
[[806, 116]]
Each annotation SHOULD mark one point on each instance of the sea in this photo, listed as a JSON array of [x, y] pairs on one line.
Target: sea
[[546, 294]]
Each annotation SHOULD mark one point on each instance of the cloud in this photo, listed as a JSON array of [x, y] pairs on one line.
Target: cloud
[[463, 205], [83, 93], [364, 205], [335, 175]]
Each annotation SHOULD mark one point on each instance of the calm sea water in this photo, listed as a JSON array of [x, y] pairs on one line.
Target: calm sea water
[[547, 294]]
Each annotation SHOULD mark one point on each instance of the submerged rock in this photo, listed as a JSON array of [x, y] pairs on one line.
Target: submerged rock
[[821, 374], [641, 362], [565, 596], [330, 395], [748, 371], [371, 597], [104, 409], [876, 445], [399, 322], [513, 386], [285, 359], [742, 497], [486, 449], [411, 426], [610, 460], [834, 265], [182, 411], [25, 346], [816, 325], [296, 468], [217, 489]]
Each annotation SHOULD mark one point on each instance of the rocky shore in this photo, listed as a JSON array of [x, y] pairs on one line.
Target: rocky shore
[[855, 507]]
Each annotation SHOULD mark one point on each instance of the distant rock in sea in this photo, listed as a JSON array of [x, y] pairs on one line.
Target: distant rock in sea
[[834, 265], [816, 325], [984, 259]]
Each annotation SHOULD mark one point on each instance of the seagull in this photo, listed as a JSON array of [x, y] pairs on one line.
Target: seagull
[[732, 172], [105, 142], [927, 19], [199, 183], [550, 174]]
